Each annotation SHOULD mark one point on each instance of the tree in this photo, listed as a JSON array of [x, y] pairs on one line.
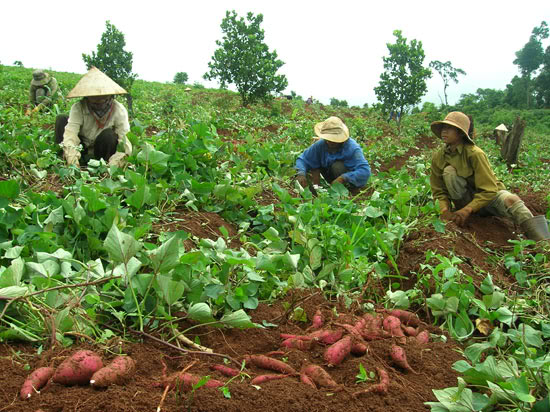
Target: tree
[[181, 78], [338, 103], [531, 56], [447, 73], [403, 83], [113, 60], [542, 83], [243, 59]]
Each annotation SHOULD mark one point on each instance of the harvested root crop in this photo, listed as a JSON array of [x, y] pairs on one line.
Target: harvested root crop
[[320, 377], [117, 372], [261, 379], [78, 368], [399, 357], [337, 352], [36, 381], [381, 388], [265, 362]]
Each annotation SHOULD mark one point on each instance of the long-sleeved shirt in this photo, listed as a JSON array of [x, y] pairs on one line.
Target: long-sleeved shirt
[[472, 164], [50, 88], [82, 122], [317, 156]]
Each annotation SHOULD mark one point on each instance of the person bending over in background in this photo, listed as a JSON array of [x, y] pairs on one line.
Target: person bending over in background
[[97, 123], [462, 174], [335, 155], [43, 91]]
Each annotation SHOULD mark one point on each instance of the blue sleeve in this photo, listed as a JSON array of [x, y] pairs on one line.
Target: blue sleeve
[[359, 169], [309, 159]]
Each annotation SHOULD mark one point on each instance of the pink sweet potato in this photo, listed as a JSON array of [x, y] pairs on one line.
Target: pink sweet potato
[[380, 388], [319, 376], [399, 357], [293, 343], [318, 320], [327, 336], [359, 349], [35, 381], [265, 362], [185, 381], [392, 325], [409, 330], [225, 370], [78, 368], [117, 372], [260, 379], [307, 380], [291, 336], [406, 317], [423, 337], [337, 352]]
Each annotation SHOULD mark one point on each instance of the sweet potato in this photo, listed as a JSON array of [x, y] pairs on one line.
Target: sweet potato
[[293, 343], [225, 370], [185, 381], [258, 380], [409, 330], [117, 372], [307, 380], [352, 329], [78, 368], [380, 388], [337, 352], [406, 317], [265, 362], [35, 381], [399, 357], [291, 336], [392, 325], [320, 377], [327, 336], [318, 320], [423, 337], [359, 349]]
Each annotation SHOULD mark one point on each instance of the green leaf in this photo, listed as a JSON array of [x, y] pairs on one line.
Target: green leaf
[[55, 217], [13, 291], [171, 289], [201, 313], [165, 257], [9, 190], [120, 246], [238, 319], [521, 388], [93, 202], [315, 257]]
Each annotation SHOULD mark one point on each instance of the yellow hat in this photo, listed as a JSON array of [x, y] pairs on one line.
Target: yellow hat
[[456, 119], [95, 83], [333, 129]]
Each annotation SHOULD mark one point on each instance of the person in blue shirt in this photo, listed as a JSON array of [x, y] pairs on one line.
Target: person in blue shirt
[[335, 156]]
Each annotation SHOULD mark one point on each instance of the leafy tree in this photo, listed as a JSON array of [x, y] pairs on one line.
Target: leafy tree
[[531, 56], [181, 78], [403, 83], [18, 63], [542, 83], [243, 59], [112, 59], [338, 103], [447, 73]]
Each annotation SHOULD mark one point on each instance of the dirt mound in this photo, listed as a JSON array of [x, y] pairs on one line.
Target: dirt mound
[[407, 391]]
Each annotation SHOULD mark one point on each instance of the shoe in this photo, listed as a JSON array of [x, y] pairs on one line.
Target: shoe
[[536, 228]]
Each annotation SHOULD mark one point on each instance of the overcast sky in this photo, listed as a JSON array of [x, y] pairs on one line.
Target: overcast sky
[[330, 49]]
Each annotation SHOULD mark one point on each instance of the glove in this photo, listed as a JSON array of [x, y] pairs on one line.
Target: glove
[[117, 159], [460, 216]]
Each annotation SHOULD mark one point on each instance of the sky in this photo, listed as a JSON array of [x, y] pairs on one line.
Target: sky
[[330, 48]]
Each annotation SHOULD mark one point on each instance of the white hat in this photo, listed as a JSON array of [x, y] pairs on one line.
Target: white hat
[[333, 129], [95, 83], [501, 127]]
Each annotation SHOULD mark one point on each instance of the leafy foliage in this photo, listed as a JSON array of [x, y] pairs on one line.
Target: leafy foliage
[[181, 78], [244, 59], [403, 83], [111, 58]]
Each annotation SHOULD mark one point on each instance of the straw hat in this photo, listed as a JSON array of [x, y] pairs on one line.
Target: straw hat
[[332, 129], [95, 83], [40, 78], [456, 119], [501, 127]]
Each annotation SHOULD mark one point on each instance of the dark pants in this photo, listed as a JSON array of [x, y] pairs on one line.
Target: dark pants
[[332, 172], [105, 143]]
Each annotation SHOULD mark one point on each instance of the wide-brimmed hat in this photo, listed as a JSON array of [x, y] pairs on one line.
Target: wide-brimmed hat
[[95, 83], [333, 129], [456, 119], [40, 78], [501, 127]]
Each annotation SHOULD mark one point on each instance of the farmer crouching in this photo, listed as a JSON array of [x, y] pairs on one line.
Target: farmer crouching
[[461, 174], [42, 92], [96, 124], [335, 156]]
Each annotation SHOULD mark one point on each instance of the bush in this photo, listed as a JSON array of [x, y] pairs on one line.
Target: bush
[[181, 78]]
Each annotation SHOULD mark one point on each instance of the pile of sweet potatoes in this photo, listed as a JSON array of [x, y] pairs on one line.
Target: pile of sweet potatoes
[[81, 368]]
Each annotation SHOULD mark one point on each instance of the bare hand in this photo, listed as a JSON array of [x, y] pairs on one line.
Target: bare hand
[[302, 180], [339, 179], [461, 216], [446, 215]]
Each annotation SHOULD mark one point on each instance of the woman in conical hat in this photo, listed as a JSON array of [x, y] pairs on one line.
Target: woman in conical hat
[[97, 122], [335, 156], [461, 175]]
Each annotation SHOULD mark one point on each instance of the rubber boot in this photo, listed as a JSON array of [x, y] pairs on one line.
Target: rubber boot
[[536, 228]]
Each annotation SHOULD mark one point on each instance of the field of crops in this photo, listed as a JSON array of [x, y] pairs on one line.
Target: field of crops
[[204, 249]]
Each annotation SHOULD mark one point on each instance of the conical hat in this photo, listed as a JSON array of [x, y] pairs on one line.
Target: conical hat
[[95, 83], [501, 127]]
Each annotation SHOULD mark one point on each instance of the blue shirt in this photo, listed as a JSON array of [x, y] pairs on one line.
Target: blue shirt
[[317, 156]]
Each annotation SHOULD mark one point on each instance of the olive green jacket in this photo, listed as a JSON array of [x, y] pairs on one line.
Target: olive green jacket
[[472, 164]]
